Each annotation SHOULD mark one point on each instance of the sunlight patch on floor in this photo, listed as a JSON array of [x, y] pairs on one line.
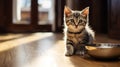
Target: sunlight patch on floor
[[14, 43], [9, 37]]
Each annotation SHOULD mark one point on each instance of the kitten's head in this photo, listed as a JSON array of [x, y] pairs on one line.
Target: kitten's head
[[76, 20]]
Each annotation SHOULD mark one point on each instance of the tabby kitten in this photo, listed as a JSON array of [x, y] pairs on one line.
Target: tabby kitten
[[77, 32]]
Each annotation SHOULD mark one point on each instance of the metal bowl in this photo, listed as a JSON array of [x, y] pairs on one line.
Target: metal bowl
[[104, 50]]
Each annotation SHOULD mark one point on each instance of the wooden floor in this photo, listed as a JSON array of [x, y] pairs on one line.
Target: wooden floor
[[45, 50]]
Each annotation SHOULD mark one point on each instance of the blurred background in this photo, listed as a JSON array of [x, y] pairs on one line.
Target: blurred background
[[31, 32], [20, 16]]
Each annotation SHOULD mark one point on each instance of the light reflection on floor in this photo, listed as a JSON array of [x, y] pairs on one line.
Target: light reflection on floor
[[13, 43]]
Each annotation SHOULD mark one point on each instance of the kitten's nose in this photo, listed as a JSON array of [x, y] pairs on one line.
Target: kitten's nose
[[76, 26]]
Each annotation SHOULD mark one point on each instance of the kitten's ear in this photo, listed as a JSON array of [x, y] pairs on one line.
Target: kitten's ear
[[85, 11], [67, 11]]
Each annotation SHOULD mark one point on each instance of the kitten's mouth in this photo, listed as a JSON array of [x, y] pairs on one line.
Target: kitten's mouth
[[76, 26]]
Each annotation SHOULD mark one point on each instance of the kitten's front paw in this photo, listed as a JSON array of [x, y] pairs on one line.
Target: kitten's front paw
[[68, 54], [70, 50], [81, 53]]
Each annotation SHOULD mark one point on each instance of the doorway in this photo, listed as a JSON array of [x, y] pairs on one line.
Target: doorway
[[32, 15]]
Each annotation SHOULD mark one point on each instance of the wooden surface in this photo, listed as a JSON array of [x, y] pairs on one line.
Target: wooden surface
[[114, 18], [45, 50]]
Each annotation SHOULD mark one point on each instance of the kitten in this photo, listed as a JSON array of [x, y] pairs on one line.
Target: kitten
[[77, 32]]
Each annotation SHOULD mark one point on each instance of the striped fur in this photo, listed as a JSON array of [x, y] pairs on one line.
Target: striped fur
[[77, 32]]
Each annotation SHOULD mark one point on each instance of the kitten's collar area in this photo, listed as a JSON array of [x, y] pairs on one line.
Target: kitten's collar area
[[75, 32]]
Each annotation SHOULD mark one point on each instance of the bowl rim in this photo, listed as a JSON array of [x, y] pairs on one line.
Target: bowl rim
[[105, 45]]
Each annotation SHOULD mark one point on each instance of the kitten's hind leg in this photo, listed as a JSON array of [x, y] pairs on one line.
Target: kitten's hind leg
[[81, 51], [70, 50]]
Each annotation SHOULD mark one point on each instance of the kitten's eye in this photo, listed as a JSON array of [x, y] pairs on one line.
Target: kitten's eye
[[80, 21], [71, 20]]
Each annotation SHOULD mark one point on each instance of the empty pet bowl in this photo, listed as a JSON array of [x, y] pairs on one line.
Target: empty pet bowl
[[104, 50]]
